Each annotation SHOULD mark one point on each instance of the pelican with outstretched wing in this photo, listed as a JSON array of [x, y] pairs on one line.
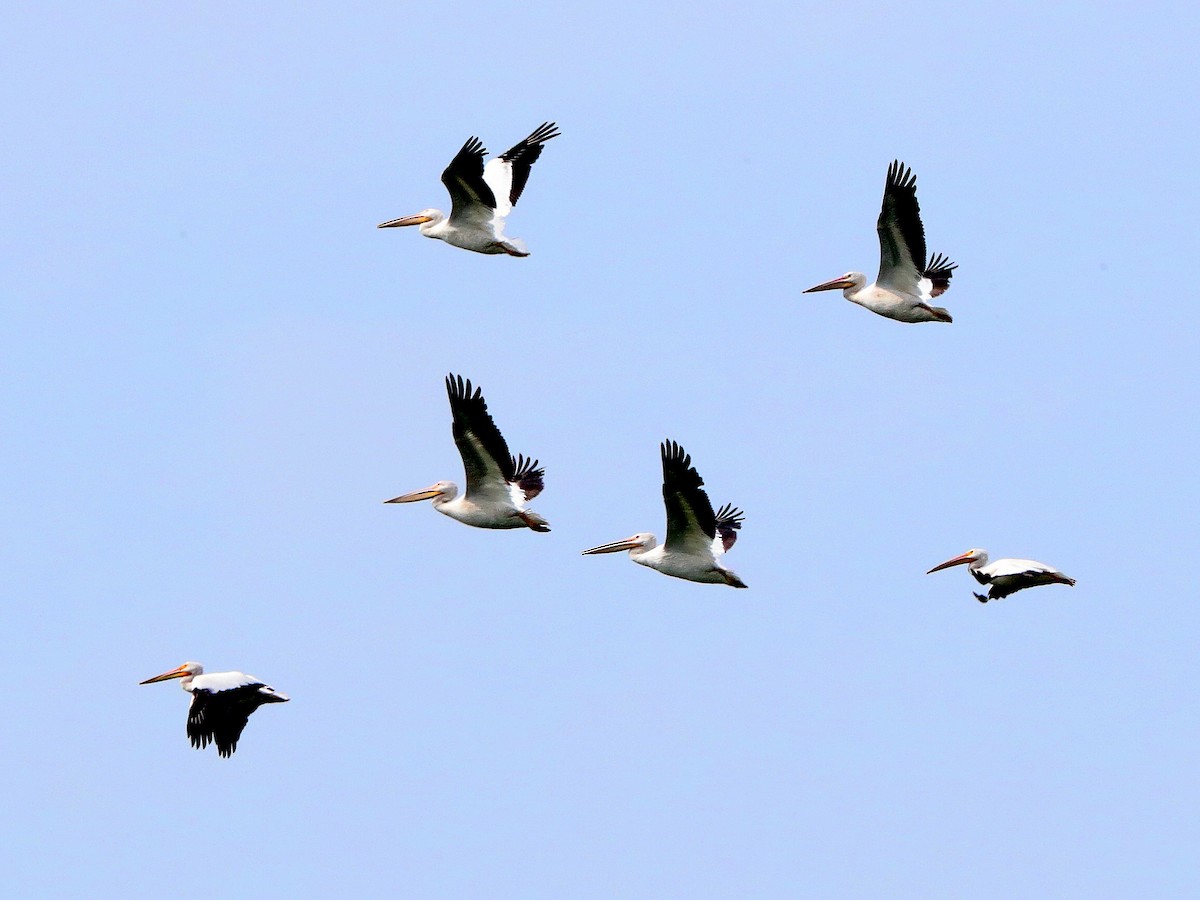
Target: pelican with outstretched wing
[[221, 703], [1004, 576], [482, 196], [498, 484], [906, 284], [697, 537]]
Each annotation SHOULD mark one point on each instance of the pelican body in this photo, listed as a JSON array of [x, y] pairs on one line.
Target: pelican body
[[906, 284], [482, 196], [221, 703], [697, 537], [1004, 576], [498, 484]]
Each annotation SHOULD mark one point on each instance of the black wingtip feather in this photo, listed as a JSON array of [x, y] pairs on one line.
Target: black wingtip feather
[[676, 458], [939, 265], [729, 522], [522, 155], [528, 476], [731, 516], [901, 176], [939, 272], [677, 467], [544, 132], [474, 147], [458, 388]]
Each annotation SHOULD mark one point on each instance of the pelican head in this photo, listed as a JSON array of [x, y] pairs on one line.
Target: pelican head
[[187, 670], [641, 541], [976, 557], [424, 217], [442, 491], [851, 281]]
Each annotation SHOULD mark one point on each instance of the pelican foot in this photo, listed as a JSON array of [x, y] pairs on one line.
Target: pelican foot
[[534, 522], [981, 598], [509, 248], [732, 580]]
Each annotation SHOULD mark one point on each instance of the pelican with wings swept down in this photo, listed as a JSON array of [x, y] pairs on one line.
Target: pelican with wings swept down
[[221, 703], [1004, 576], [498, 484]]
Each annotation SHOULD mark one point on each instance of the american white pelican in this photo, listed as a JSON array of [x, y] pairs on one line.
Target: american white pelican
[[498, 485], [482, 196], [696, 536], [905, 284], [1006, 576], [221, 703]]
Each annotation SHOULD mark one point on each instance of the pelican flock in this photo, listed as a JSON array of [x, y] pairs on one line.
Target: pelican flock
[[221, 703], [498, 484], [1004, 576], [905, 284], [697, 537], [482, 196]]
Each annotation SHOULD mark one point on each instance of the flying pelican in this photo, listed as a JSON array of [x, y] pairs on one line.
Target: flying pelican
[[1006, 576], [498, 485], [696, 536], [905, 284], [221, 703], [482, 196]]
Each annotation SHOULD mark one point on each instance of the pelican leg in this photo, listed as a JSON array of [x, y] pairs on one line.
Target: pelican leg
[[936, 311], [731, 579], [533, 521], [511, 251], [981, 598]]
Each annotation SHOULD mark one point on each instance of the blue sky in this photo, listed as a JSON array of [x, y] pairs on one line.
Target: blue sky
[[215, 368]]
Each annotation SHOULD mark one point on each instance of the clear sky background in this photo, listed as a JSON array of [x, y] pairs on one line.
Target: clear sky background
[[215, 368]]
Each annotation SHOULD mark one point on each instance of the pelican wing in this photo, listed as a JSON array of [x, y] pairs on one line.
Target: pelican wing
[[473, 200], [935, 280], [901, 234], [729, 522], [507, 174], [1002, 568], [221, 706], [691, 524], [488, 464], [527, 477]]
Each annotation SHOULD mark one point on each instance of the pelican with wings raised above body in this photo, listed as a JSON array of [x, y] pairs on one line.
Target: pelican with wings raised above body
[[697, 537], [482, 196], [498, 485], [906, 284]]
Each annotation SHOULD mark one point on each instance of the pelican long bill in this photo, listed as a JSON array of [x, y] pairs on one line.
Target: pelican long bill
[[418, 219], [177, 672], [614, 547], [836, 284], [956, 561], [423, 494]]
